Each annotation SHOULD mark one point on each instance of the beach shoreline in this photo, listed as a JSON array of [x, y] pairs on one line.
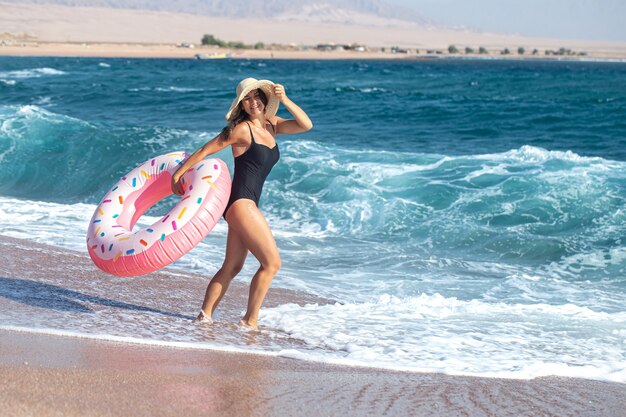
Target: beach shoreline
[[131, 50], [52, 375], [52, 372]]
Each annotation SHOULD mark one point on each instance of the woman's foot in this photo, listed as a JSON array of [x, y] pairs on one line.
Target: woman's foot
[[203, 318], [249, 323]]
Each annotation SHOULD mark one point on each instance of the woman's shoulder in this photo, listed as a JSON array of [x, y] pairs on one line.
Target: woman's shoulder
[[241, 126], [240, 133]]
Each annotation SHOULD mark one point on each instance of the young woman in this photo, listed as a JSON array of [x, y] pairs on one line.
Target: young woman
[[251, 132]]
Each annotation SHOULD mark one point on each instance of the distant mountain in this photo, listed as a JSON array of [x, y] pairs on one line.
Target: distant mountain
[[377, 12], [331, 13]]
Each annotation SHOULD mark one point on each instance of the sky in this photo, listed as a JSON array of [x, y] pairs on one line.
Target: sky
[[561, 19]]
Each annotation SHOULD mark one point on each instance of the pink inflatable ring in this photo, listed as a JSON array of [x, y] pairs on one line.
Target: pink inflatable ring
[[116, 249]]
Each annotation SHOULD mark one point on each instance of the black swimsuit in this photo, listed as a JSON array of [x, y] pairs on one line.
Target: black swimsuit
[[251, 169]]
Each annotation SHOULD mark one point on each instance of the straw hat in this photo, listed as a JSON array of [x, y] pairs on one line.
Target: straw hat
[[249, 84]]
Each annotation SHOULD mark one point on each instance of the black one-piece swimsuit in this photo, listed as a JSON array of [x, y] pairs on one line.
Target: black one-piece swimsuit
[[251, 169]]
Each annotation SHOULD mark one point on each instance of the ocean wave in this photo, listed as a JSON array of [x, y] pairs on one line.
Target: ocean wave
[[524, 208], [535, 155], [170, 89], [56, 157], [31, 73], [364, 90], [432, 333], [527, 205], [353, 191]]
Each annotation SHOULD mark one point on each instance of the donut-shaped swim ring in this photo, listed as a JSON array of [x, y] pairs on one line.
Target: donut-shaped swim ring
[[116, 249]]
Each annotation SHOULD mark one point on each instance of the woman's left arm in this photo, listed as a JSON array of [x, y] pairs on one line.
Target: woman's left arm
[[300, 121]]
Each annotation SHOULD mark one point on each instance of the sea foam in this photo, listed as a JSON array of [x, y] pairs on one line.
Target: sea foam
[[31, 73]]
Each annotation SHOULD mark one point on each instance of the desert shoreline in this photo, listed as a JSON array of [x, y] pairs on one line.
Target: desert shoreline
[[53, 30], [130, 51]]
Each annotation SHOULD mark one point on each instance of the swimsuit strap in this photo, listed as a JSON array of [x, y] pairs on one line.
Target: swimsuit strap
[[251, 134]]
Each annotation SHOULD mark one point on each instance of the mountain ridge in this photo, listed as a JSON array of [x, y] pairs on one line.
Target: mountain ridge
[[364, 12]]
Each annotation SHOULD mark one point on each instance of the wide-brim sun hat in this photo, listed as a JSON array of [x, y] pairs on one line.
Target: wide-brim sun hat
[[249, 84]]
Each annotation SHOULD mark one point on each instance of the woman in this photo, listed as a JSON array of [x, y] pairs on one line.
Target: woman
[[251, 132]]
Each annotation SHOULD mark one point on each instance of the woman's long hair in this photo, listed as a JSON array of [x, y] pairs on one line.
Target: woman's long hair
[[239, 115]]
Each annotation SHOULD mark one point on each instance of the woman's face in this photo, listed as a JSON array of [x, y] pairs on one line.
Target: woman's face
[[253, 104]]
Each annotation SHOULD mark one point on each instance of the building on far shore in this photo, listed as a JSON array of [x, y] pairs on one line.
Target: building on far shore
[[341, 47]]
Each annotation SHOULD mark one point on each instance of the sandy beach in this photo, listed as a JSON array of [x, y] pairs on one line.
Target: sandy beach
[[147, 50], [47, 376], [49, 30], [56, 375]]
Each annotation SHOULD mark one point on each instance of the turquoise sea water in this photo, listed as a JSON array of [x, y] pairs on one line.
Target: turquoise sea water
[[470, 214]]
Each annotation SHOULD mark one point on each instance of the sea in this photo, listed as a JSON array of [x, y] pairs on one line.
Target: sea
[[459, 216]]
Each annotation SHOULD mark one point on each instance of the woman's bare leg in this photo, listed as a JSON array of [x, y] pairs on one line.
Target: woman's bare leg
[[236, 253], [252, 229]]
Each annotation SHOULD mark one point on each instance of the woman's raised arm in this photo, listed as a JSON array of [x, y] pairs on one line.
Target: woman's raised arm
[[300, 122]]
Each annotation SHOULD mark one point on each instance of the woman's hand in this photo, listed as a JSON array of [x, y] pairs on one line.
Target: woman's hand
[[279, 91], [177, 187]]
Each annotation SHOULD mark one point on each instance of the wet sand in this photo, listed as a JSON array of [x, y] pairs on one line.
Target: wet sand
[[48, 375]]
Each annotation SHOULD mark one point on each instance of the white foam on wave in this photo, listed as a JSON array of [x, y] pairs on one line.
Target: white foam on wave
[[170, 89], [31, 73], [33, 112], [365, 90], [497, 170], [63, 225], [372, 167], [177, 89], [538, 369], [536, 155], [432, 333]]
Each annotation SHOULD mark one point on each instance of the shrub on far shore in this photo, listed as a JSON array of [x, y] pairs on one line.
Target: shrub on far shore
[[521, 50], [453, 49], [482, 50], [469, 50], [505, 51], [561, 51], [210, 40]]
